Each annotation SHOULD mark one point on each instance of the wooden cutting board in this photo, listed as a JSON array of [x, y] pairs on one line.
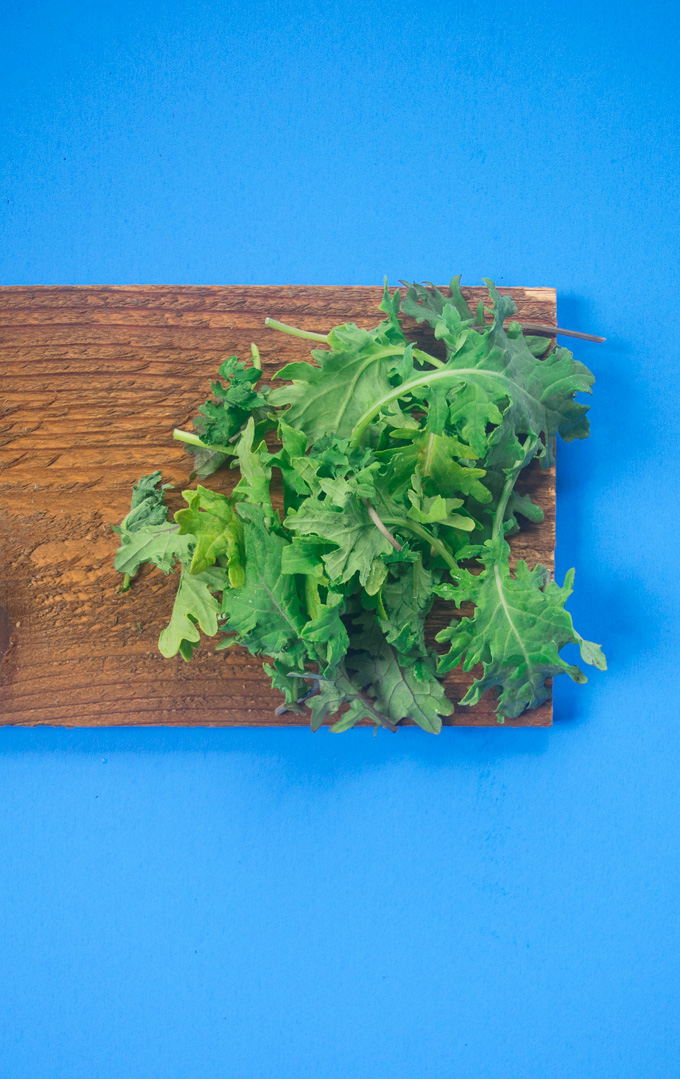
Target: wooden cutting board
[[94, 379]]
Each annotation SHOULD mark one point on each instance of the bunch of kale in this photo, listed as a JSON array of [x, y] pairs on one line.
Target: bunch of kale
[[398, 471]]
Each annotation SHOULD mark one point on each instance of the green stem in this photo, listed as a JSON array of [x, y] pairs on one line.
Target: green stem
[[294, 331], [425, 357], [193, 440], [418, 530], [406, 387], [312, 597], [499, 515], [398, 350]]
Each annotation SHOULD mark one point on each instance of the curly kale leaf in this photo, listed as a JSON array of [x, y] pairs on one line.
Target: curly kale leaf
[[378, 687], [223, 417], [350, 376], [216, 530], [145, 534], [196, 607], [518, 628], [533, 396]]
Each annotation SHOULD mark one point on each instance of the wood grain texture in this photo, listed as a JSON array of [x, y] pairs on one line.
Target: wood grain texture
[[94, 379]]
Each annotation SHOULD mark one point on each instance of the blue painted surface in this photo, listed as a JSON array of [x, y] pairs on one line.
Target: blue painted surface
[[261, 904]]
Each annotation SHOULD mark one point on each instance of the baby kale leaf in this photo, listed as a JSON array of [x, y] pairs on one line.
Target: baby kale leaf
[[396, 467], [147, 506], [406, 690], [405, 601], [222, 418], [265, 614], [427, 304], [326, 631], [356, 542], [349, 377], [541, 393], [196, 607], [218, 531], [437, 459], [534, 397], [256, 472], [158, 544], [517, 630], [145, 533], [373, 687]]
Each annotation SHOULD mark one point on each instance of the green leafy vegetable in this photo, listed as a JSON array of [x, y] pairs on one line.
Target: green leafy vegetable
[[398, 471], [145, 534], [196, 607], [350, 375]]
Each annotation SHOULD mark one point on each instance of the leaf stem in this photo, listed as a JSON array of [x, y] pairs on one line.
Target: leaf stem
[[499, 515], [422, 380], [294, 331], [426, 358], [512, 474], [418, 530], [380, 526], [310, 336], [312, 597], [549, 331], [193, 440]]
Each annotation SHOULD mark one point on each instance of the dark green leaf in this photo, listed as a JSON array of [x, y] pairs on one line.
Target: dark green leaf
[[348, 379], [265, 613], [355, 538]]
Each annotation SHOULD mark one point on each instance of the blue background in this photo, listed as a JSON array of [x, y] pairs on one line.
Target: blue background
[[256, 904]]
